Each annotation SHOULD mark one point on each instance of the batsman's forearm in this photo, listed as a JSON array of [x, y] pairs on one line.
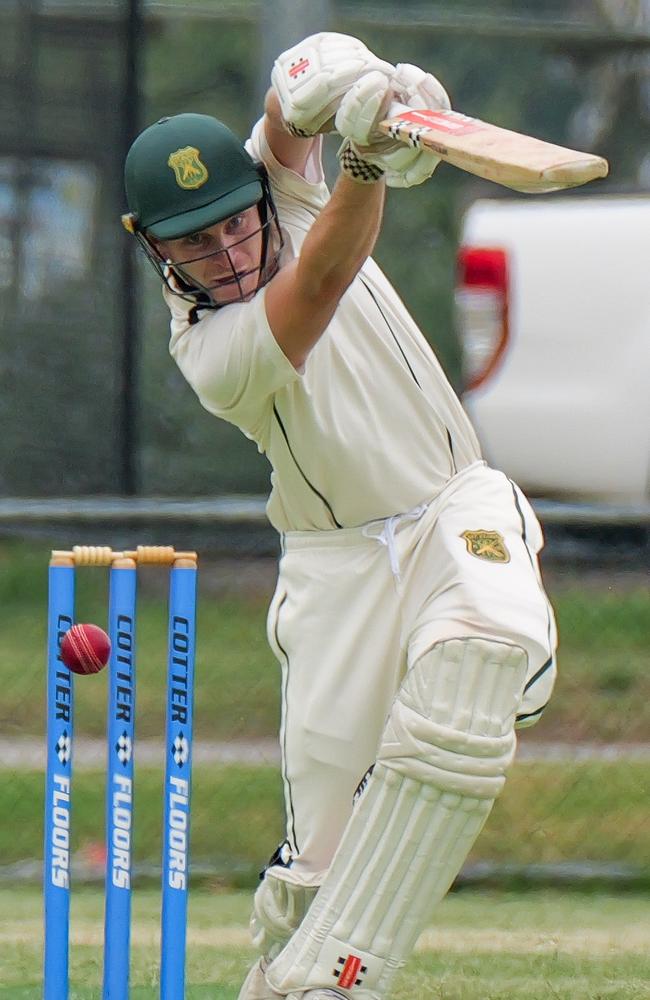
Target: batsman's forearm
[[343, 236], [303, 296]]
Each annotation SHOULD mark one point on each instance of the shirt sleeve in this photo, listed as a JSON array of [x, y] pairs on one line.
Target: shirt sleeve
[[231, 359], [306, 191]]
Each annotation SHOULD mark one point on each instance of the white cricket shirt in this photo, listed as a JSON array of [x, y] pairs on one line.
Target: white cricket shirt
[[369, 429]]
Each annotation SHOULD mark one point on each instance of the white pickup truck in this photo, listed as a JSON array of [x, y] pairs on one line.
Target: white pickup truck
[[553, 306]]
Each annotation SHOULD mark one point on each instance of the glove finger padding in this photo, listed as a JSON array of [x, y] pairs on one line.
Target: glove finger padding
[[311, 78], [418, 171], [366, 103], [417, 89]]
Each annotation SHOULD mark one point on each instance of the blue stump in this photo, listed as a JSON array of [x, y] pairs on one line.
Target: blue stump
[[119, 785], [60, 712], [178, 748]]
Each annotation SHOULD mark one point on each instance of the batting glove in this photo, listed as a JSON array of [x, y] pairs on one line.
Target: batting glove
[[312, 77], [367, 103]]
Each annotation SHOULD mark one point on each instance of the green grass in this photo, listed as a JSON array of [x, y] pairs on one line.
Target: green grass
[[547, 813], [603, 689], [550, 813], [480, 946], [602, 694]]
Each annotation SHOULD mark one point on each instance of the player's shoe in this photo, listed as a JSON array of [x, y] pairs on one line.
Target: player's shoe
[[255, 987]]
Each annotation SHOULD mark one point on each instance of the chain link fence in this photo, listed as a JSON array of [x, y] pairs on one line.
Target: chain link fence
[[89, 399]]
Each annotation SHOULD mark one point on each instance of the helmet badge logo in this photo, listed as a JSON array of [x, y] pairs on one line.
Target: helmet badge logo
[[188, 168]]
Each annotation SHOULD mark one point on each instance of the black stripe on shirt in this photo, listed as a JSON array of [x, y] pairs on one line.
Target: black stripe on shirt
[[454, 469], [451, 451], [392, 332], [310, 485]]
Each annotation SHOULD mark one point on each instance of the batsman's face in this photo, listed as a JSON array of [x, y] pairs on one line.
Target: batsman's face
[[224, 259]]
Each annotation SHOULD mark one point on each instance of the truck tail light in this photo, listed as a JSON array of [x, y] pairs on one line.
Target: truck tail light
[[482, 311]]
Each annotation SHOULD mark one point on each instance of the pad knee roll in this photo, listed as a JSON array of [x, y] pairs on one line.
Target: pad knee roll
[[452, 722]]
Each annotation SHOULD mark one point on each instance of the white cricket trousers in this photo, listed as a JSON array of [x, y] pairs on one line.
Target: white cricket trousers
[[354, 608]]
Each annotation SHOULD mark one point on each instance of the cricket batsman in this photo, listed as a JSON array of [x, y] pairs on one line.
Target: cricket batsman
[[409, 619]]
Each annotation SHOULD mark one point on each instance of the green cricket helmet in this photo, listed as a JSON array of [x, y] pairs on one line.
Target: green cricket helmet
[[183, 175]]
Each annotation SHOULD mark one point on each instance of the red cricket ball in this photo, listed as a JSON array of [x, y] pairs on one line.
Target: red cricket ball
[[85, 649]]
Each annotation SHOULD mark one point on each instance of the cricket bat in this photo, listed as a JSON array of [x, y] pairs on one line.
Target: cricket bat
[[512, 159]]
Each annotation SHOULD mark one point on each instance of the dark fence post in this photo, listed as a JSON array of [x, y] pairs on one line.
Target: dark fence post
[[128, 380]]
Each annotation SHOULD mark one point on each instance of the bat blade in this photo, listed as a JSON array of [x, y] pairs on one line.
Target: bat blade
[[497, 154]]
